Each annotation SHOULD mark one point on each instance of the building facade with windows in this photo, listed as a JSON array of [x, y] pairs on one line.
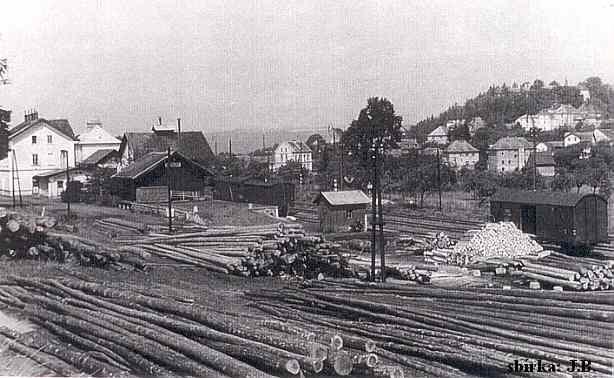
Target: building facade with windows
[[293, 150], [37, 146], [509, 154]]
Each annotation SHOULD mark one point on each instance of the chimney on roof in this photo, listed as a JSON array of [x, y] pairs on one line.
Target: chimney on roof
[[159, 121], [30, 115]]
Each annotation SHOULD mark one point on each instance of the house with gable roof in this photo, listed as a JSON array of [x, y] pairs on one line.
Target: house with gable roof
[[292, 150], [93, 139], [509, 154], [37, 146], [461, 154]]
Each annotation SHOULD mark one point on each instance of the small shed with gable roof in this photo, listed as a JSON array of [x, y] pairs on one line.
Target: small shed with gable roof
[[342, 210]]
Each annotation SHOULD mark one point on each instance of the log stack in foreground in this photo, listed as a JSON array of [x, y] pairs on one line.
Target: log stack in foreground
[[29, 237], [163, 337], [569, 273]]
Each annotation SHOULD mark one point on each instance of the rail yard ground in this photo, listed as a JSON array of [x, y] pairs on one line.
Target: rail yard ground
[[460, 324]]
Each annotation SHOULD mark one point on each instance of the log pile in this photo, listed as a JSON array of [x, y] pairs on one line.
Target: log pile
[[118, 333], [268, 250], [29, 237], [502, 239], [569, 273], [456, 333]]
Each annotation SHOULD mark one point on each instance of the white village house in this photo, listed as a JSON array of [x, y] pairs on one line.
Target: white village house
[[509, 154], [438, 136], [292, 151], [94, 138], [38, 146], [461, 154]]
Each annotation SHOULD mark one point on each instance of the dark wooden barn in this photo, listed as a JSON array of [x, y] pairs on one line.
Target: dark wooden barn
[[249, 190], [183, 174], [566, 218], [338, 211]]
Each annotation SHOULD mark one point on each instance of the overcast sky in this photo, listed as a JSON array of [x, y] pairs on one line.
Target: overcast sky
[[263, 64]]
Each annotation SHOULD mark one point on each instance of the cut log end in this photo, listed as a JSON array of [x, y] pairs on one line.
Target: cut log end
[[369, 346], [336, 342], [343, 364], [292, 366]]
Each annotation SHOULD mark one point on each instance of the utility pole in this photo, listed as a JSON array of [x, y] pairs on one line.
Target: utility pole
[[342, 153], [381, 217], [534, 152], [66, 190], [373, 212], [12, 152], [439, 177], [168, 187], [229, 146]]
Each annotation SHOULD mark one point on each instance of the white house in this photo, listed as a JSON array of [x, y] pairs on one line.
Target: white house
[[462, 154], [552, 146], [93, 139], [292, 151], [578, 137], [509, 154], [438, 136], [37, 146], [562, 116]]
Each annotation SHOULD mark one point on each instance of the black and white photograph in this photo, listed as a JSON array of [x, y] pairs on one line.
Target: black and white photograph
[[307, 188]]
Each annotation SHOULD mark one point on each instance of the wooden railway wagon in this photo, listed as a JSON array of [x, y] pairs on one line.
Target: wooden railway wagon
[[245, 189], [569, 219]]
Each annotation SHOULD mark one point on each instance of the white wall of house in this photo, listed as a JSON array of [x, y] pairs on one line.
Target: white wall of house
[[458, 160], [35, 158], [93, 139], [507, 160], [286, 152]]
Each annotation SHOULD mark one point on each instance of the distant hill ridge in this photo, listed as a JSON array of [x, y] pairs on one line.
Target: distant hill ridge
[[503, 104]]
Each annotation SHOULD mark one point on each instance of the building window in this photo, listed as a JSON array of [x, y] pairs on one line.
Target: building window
[[63, 158], [49, 139], [33, 139], [348, 214], [60, 185], [34, 159]]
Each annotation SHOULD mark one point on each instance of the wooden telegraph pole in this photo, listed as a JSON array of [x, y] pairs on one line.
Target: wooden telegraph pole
[[380, 222], [373, 211], [168, 187], [66, 189]]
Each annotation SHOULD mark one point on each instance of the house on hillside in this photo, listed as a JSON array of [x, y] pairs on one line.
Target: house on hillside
[[475, 124], [509, 154], [37, 146], [292, 150], [438, 136], [154, 168], [94, 138], [341, 210], [561, 116], [604, 136], [461, 154], [576, 137], [544, 162], [191, 144], [552, 146]]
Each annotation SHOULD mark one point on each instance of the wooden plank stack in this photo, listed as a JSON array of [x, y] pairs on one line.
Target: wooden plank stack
[[115, 332]]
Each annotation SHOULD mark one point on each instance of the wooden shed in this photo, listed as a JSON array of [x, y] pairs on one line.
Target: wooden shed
[[154, 169], [245, 189], [338, 211], [565, 218]]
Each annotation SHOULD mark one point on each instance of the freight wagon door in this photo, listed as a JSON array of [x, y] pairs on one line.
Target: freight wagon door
[[527, 215]]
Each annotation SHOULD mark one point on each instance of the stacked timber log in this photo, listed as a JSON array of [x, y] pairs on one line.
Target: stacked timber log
[[457, 333], [30, 237], [108, 336], [501, 239], [569, 273], [268, 250]]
